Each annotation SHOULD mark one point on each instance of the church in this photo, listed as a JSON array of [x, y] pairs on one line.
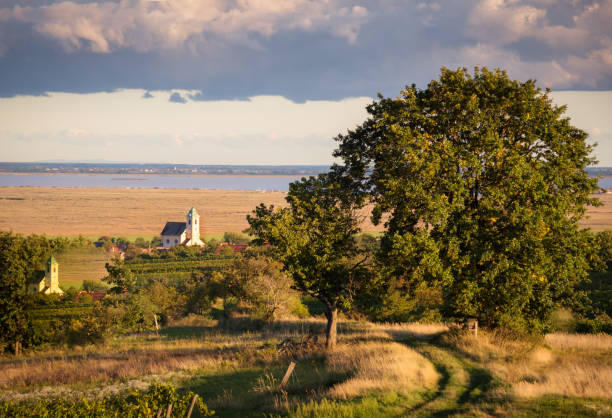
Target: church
[[182, 233], [49, 283]]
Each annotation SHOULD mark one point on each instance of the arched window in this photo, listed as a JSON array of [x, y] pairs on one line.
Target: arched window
[[176, 241], [167, 241]]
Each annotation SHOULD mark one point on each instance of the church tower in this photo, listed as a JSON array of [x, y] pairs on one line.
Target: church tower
[[193, 227], [52, 276]]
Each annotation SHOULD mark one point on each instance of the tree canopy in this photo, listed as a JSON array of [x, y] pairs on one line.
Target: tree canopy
[[480, 181], [314, 238]]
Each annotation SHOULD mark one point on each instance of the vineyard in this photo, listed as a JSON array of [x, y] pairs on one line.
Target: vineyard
[[174, 269]]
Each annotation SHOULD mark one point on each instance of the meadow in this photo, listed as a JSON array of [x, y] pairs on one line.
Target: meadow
[[131, 213], [376, 370]]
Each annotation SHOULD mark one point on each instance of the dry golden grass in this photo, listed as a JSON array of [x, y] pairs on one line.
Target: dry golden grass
[[380, 366], [601, 217], [562, 364], [101, 367], [585, 342], [210, 346], [132, 212]]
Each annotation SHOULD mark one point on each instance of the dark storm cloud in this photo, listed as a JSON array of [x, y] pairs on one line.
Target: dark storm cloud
[[302, 50]]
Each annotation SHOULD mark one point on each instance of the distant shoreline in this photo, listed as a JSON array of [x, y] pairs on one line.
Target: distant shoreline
[[152, 174]]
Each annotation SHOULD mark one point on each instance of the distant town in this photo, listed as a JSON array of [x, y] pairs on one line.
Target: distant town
[[184, 169]]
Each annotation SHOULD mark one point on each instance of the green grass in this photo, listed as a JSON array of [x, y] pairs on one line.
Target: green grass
[[78, 264], [241, 377]]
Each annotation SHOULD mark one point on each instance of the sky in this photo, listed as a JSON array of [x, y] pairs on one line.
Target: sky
[[269, 81]]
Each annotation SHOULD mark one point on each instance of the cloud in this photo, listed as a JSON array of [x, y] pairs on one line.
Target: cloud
[[177, 98], [144, 25], [299, 49], [574, 50], [198, 96]]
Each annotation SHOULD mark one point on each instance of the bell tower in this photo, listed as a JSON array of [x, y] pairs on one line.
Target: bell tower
[[193, 226], [52, 276]]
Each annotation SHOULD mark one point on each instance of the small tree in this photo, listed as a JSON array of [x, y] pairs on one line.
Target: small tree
[[120, 277], [256, 278], [314, 239]]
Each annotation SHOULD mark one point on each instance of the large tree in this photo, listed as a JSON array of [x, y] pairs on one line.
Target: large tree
[[314, 238], [481, 182]]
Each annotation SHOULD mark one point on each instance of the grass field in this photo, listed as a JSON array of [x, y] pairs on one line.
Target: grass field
[[376, 370], [78, 264], [144, 212]]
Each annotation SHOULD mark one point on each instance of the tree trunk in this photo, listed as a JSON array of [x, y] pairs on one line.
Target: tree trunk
[[332, 326]]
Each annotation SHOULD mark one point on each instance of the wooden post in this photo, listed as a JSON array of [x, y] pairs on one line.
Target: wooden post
[[156, 327], [169, 411], [472, 325], [193, 401], [287, 374], [17, 347]]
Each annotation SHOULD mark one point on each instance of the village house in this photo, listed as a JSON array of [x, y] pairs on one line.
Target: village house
[[182, 233], [46, 282]]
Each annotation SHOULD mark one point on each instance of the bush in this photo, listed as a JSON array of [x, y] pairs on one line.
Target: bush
[[137, 404], [594, 326]]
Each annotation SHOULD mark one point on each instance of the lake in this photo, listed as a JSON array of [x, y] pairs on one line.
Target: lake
[[280, 183]]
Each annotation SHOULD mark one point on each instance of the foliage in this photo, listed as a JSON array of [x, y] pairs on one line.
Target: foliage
[[314, 239], [120, 277], [21, 259], [594, 326], [604, 245], [254, 277], [480, 181], [166, 298], [136, 404]]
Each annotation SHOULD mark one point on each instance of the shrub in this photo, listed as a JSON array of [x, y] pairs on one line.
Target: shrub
[[137, 404], [594, 326]]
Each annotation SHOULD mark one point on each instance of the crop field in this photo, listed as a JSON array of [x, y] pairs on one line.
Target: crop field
[[376, 370], [143, 212], [126, 212]]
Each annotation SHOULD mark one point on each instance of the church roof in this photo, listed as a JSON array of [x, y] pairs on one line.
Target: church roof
[[193, 212], [174, 228]]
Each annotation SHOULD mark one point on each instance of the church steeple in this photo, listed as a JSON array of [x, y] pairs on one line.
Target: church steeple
[[52, 276], [193, 225]]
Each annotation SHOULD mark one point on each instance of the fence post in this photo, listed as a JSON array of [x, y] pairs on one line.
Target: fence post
[[169, 411], [472, 325], [193, 401], [156, 327], [17, 347], [288, 374]]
